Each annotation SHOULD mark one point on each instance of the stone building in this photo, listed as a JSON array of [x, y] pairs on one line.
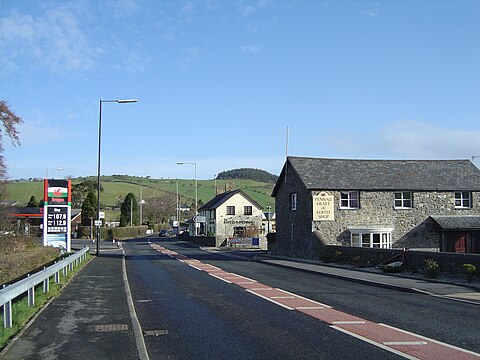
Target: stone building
[[421, 204]]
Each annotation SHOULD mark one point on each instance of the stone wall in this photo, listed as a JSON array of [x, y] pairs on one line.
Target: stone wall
[[412, 228]]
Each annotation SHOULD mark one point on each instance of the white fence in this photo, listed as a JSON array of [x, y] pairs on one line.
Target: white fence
[[28, 284]]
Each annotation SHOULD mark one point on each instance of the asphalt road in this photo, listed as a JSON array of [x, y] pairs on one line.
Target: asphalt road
[[190, 314]]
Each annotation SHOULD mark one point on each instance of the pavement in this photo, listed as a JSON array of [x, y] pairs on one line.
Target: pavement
[[94, 316], [90, 319], [459, 292]]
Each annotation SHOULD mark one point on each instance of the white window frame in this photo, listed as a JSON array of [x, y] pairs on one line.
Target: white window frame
[[402, 199], [349, 199], [230, 210], [293, 201], [464, 202], [372, 238], [247, 210]]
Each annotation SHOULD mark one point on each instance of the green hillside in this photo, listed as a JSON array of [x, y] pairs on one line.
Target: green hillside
[[116, 187]]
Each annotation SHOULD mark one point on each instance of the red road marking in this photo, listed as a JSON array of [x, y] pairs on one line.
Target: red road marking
[[401, 342]]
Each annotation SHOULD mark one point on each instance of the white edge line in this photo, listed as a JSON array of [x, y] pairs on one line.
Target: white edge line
[[431, 340], [260, 289], [270, 299], [246, 278], [219, 278], [137, 328], [309, 308], [195, 267], [282, 297], [307, 299], [374, 343], [408, 343]]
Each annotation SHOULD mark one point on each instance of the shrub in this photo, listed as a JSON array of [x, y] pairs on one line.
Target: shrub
[[470, 269], [432, 268]]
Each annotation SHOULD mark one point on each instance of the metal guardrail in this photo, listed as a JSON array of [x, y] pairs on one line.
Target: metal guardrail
[[27, 285]]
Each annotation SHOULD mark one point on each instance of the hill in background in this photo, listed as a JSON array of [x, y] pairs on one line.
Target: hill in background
[[248, 173], [116, 187]]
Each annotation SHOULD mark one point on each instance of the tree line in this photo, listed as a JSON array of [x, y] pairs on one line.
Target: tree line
[[248, 173]]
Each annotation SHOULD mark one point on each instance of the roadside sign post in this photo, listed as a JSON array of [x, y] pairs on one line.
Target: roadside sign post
[[57, 213]]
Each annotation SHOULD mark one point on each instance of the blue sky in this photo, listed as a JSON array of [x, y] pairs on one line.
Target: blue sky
[[218, 83]]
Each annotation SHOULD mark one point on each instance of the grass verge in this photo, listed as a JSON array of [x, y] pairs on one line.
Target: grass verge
[[22, 313]]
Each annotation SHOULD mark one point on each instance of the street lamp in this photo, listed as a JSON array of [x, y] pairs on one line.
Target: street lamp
[[196, 189], [99, 147]]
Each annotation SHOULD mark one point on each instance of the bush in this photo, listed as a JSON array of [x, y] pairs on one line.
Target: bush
[[470, 269], [432, 269]]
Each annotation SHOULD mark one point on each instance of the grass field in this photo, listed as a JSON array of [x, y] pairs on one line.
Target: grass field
[[116, 187]]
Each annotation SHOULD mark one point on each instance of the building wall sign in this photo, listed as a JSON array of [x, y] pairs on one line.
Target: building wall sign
[[323, 207], [239, 222]]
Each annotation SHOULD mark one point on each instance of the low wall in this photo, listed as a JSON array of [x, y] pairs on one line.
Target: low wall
[[413, 259]]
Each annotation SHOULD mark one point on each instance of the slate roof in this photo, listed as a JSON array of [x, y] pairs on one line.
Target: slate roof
[[457, 222], [221, 198], [348, 174]]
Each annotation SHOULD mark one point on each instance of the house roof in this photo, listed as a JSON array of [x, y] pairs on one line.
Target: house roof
[[349, 174], [457, 222], [221, 198]]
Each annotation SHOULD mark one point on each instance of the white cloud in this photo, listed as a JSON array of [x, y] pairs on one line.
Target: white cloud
[[250, 49], [124, 8], [245, 9], [189, 55], [373, 10], [53, 40], [411, 139]]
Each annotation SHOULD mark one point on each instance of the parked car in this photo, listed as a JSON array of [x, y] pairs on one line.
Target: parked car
[[163, 233]]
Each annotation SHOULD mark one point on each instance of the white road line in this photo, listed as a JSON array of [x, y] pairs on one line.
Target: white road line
[[246, 278], [348, 322], [261, 289], [270, 299], [307, 299], [367, 340], [137, 328], [388, 343], [282, 297], [193, 266], [219, 278], [432, 340], [309, 308]]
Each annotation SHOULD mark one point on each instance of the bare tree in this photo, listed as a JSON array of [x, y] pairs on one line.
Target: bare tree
[[9, 122], [159, 209]]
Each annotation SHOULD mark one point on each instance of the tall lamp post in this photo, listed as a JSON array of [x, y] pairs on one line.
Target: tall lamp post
[[99, 148], [196, 187]]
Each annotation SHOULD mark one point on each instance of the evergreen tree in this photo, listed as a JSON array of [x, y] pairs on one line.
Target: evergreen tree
[[129, 210], [89, 208]]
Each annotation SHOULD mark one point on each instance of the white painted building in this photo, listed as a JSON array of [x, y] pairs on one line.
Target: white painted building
[[234, 219]]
